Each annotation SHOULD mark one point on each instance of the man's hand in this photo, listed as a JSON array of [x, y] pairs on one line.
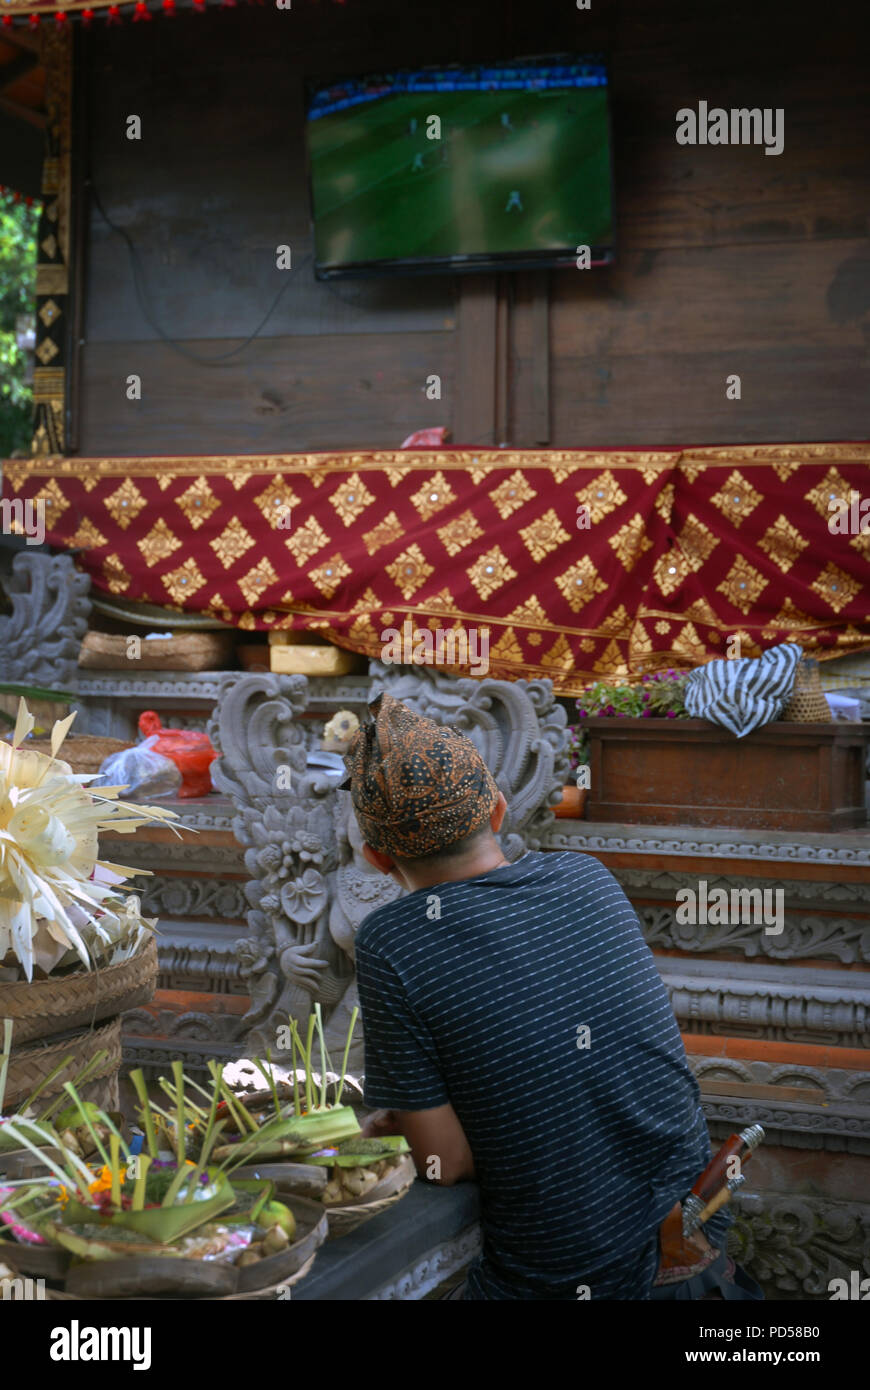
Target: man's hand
[[379, 1123]]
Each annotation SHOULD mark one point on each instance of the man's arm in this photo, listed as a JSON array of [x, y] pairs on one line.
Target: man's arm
[[431, 1134]]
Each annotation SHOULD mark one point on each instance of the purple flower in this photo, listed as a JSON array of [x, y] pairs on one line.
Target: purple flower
[[582, 713], [671, 714], [646, 714]]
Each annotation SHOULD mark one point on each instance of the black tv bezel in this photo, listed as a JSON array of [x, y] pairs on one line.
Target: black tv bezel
[[483, 262]]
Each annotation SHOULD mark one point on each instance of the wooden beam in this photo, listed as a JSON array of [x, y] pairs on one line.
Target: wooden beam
[[530, 375], [23, 113], [10, 72], [474, 419]]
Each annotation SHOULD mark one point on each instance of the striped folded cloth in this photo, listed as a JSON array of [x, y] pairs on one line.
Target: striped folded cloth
[[743, 693]]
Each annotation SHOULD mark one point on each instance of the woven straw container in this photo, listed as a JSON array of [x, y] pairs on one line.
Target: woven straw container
[[43, 1007], [184, 651], [807, 704], [29, 1066], [84, 752]]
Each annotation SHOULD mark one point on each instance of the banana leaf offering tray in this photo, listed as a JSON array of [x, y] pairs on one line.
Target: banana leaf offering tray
[[99, 1216]]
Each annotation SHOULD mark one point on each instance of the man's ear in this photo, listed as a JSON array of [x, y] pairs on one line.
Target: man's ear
[[378, 859], [497, 816]]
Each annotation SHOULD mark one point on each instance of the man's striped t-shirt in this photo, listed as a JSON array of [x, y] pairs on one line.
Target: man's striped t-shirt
[[529, 1000]]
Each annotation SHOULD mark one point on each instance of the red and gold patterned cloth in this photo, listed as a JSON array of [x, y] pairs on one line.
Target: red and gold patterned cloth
[[684, 547]]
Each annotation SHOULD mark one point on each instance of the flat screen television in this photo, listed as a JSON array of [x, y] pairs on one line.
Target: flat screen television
[[500, 167]]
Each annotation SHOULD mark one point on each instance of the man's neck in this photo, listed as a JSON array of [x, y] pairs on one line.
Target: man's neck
[[478, 861]]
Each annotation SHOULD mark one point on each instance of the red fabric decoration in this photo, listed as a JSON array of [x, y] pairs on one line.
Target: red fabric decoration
[[169, 8], [583, 564], [87, 18], [7, 21], [60, 19], [141, 12], [34, 21]]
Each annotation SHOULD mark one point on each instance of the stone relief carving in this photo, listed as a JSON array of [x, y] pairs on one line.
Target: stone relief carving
[[815, 938], [575, 835], [310, 886], [795, 1245], [786, 1009], [194, 897], [40, 639]]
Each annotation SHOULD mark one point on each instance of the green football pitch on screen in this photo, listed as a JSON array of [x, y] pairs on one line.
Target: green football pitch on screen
[[513, 172]]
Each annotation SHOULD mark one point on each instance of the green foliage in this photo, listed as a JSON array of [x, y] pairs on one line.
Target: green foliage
[[18, 225]]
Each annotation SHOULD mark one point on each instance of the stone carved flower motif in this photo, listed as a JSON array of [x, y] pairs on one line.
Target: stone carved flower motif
[[305, 897]]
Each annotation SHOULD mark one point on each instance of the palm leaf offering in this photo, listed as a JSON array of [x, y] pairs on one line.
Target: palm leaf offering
[[120, 1205], [314, 1133], [59, 903]]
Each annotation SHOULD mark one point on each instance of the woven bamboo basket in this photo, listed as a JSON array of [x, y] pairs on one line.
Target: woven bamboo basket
[[43, 1007], [184, 651], [807, 704], [84, 753], [385, 1194], [28, 1066], [150, 1277]]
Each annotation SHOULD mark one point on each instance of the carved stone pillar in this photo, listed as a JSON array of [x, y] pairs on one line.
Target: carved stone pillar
[[40, 639], [310, 886]]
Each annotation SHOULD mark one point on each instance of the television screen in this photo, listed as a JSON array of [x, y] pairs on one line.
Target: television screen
[[501, 167]]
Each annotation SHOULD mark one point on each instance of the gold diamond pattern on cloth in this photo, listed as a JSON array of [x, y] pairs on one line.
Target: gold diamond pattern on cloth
[[832, 489], [602, 496], [124, 504], [459, 532], [835, 586], [784, 469], [198, 502], [630, 541], [351, 499], [305, 542], [491, 571], [365, 602], [183, 582], [783, 543], [742, 585], [277, 499], [736, 498], [664, 503], [611, 662], [329, 575], [559, 656], [443, 599], [512, 494], [433, 496], [544, 535], [507, 648], [231, 545], [159, 543], [88, 536], [387, 531], [409, 571], [481, 471], [697, 542], [617, 624], [531, 612], [580, 584], [116, 577], [688, 645], [55, 502], [257, 580], [670, 570]]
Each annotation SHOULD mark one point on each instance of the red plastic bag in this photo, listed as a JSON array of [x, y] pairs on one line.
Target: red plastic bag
[[190, 750]]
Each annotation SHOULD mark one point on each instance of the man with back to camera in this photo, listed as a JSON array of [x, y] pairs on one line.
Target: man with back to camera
[[516, 1028]]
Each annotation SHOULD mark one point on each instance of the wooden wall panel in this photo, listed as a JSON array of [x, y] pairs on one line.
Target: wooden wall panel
[[287, 394], [729, 260]]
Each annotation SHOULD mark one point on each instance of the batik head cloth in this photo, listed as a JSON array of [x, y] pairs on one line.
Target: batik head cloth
[[416, 787]]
